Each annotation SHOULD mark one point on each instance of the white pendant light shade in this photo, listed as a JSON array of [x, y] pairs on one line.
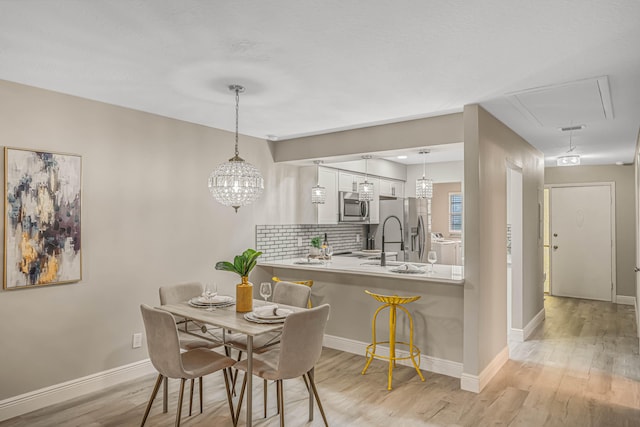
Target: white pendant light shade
[[236, 183], [424, 186], [318, 194], [365, 189]]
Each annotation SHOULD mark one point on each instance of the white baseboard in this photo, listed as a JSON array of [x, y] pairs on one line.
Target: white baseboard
[[521, 335], [626, 300], [38, 399], [428, 363], [475, 383]]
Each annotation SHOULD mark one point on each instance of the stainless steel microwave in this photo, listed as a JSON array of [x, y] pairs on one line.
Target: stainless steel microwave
[[352, 209]]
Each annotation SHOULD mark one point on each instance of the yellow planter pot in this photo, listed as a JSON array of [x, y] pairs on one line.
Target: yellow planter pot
[[244, 296]]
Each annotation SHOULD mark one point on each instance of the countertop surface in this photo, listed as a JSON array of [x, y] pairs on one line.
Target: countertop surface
[[452, 274]]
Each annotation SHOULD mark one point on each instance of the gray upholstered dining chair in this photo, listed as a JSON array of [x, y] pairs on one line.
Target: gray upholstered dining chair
[[299, 350], [174, 294], [170, 362], [287, 293]]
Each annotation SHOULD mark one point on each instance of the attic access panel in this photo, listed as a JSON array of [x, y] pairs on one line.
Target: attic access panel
[[579, 102]]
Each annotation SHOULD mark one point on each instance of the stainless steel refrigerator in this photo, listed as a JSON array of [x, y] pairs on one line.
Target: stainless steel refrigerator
[[418, 228], [415, 216]]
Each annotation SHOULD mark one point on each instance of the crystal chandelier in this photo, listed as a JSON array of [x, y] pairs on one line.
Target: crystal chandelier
[[236, 183], [318, 192], [424, 186], [365, 189]]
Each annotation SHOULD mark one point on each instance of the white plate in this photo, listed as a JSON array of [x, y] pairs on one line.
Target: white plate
[[269, 314], [251, 317], [218, 299]]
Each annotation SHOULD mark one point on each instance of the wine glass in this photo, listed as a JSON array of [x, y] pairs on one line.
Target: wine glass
[[431, 259], [210, 292], [265, 291], [328, 251]]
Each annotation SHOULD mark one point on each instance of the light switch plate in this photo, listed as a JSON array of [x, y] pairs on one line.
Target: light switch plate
[[137, 340]]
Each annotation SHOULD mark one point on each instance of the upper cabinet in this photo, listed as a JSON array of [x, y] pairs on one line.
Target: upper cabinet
[[328, 211], [391, 188], [348, 181], [309, 213]]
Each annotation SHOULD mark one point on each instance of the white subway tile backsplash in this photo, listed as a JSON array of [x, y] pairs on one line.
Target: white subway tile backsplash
[[281, 241]]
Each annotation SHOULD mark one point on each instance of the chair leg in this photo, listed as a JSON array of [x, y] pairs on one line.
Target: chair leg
[[229, 398], [317, 396], [153, 396], [200, 393], [280, 401], [235, 376], [179, 411], [239, 407], [165, 394], [191, 396]]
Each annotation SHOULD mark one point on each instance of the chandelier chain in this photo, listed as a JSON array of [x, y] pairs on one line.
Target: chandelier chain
[[237, 115]]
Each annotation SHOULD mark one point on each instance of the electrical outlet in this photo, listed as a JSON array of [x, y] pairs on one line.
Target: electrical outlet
[[357, 238], [299, 241], [137, 340]]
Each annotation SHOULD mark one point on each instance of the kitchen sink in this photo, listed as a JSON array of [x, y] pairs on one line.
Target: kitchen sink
[[389, 263]]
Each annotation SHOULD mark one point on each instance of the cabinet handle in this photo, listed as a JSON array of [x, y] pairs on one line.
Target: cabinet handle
[[393, 191]]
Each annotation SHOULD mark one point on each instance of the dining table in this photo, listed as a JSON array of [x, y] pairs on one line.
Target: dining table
[[229, 320]]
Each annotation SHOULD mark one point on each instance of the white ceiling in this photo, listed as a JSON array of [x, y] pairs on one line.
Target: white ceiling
[[316, 66]]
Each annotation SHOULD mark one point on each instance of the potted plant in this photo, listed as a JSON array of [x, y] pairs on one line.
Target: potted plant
[[316, 245], [242, 266]]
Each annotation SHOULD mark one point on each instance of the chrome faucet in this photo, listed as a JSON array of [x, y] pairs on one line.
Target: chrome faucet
[[383, 256]]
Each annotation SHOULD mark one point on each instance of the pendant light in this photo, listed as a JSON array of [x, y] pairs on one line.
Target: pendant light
[[365, 189], [570, 159], [318, 193], [236, 183], [424, 186]]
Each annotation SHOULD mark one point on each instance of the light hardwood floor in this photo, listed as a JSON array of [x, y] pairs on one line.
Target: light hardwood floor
[[580, 368]]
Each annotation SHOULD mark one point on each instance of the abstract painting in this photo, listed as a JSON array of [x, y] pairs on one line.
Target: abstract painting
[[42, 238]]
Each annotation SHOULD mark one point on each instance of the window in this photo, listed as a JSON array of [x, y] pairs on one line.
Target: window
[[455, 213]]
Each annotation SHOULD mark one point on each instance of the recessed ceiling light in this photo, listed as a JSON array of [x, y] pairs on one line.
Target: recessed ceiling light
[[402, 157], [619, 163]]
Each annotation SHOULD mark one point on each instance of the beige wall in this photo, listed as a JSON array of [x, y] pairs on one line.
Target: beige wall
[[489, 146], [410, 134], [440, 208], [625, 233], [148, 220]]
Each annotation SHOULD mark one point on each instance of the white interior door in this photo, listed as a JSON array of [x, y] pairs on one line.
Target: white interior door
[[581, 242]]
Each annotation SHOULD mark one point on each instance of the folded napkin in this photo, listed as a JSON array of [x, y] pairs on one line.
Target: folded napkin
[[271, 311], [408, 267]]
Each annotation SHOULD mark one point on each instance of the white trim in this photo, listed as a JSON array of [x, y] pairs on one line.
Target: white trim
[[521, 335], [475, 383], [625, 300], [31, 401], [427, 363]]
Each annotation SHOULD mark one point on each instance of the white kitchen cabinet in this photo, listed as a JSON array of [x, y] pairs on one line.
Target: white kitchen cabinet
[[326, 213], [391, 188], [374, 205], [348, 181]]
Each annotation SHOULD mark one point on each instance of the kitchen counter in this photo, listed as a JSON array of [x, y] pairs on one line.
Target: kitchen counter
[[365, 267]]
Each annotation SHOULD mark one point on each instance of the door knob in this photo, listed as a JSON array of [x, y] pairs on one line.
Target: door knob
[[555, 246], [636, 269], [555, 234]]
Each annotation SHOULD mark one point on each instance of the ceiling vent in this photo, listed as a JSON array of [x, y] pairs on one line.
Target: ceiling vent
[[582, 101]]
